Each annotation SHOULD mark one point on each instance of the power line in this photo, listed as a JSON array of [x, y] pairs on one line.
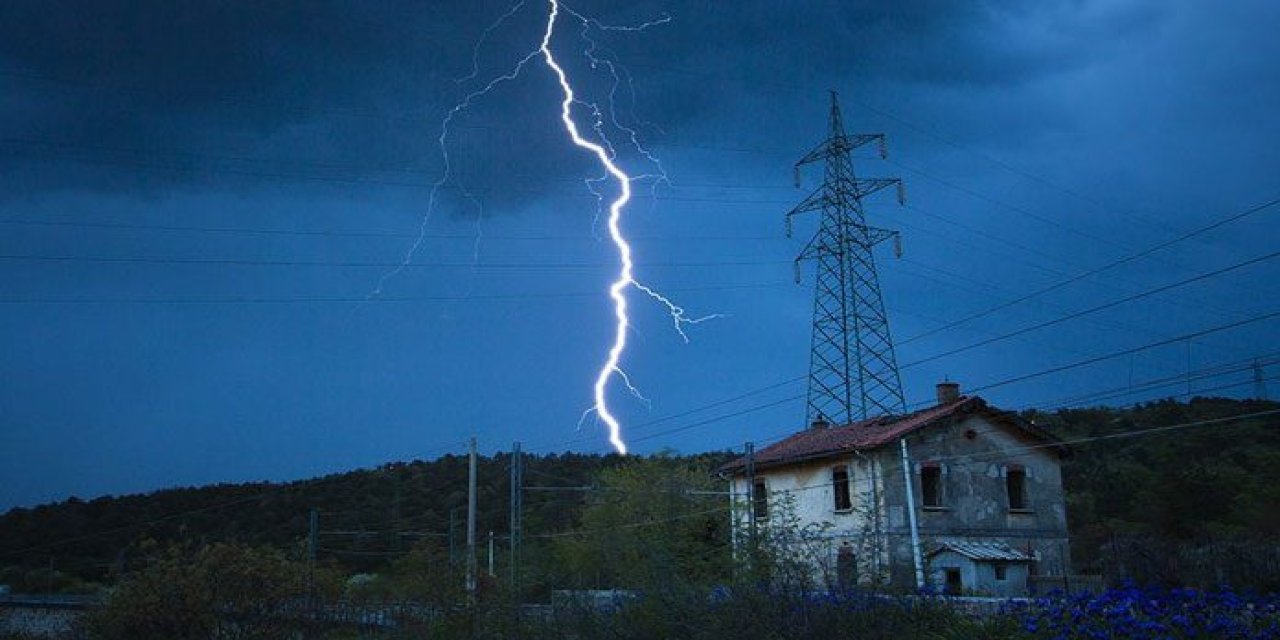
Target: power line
[[1151, 386], [960, 458], [357, 300], [1106, 267], [1125, 352], [987, 290], [1130, 433], [278, 262], [308, 163], [981, 196], [1036, 374], [926, 131], [1017, 256], [1123, 434], [355, 233], [1107, 305], [348, 180], [358, 264], [695, 410], [793, 380]]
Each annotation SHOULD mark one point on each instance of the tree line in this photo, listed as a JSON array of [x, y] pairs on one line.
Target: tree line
[[598, 521]]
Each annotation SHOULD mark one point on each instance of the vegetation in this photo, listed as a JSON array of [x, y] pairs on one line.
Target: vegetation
[[1202, 496], [216, 591], [383, 513], [654, 522], [1151, 614], [1184, 507]]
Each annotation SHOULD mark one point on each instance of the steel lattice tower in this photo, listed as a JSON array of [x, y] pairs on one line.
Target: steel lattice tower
[[853, 373]]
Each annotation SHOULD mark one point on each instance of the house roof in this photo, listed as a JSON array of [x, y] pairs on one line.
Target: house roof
[[984, 551], [816, 443]]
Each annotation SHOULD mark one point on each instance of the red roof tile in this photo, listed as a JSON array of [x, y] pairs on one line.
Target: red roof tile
[[867, 434]]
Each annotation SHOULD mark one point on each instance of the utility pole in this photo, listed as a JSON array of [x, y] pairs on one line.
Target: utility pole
[[1188, 343], [751, 496], [853, 372], [395, 510], [313, 535], [453, 547], [911, 515], [471, 520], [1259, 382], [313, 544], [491, 574], [517, 482]]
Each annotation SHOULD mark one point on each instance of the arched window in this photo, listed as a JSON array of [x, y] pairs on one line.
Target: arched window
[[846, 567]]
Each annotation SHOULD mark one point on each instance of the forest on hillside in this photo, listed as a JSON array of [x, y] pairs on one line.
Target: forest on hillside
[[1142, 487]]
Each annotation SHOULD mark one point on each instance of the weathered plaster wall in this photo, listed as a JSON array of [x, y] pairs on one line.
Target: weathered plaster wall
[[974, 456], [979, 578], [802, 500]]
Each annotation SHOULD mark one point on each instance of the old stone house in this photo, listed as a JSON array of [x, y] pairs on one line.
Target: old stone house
[[980, 508]]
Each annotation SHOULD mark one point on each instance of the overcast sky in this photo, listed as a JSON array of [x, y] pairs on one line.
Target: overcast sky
[[196, 196]]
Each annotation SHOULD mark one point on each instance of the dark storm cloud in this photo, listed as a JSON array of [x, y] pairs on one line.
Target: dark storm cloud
[[274, 59], [145, 146], [134, 96], [764, 50], [183, 85]]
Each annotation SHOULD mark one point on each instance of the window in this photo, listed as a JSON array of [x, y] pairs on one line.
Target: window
[[760, 499], [931, 485], [1015, 481], [840, 487], [1000, 571], [846, 567]]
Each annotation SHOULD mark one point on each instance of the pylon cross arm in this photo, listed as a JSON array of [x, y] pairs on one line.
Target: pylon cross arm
[[876, 235], [868, 186], [836, 145], [813, 202]]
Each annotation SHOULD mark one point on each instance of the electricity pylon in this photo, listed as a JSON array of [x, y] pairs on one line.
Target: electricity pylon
[[853, 373]]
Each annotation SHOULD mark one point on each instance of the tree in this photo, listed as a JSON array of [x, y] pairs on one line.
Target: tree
[[219, 591], [651, 523]]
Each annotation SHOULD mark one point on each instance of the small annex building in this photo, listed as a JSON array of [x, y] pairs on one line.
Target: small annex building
[[982, 492]]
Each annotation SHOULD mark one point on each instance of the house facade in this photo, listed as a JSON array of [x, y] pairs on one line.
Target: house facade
[[960, 496]]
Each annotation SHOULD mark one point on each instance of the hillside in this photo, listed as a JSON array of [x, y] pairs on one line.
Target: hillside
[[1186, 487]]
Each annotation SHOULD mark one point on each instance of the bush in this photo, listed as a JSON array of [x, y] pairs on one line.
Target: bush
[[217, 591]]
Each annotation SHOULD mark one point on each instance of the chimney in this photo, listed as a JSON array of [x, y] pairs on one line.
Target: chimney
[[819, 422], [948, 392]]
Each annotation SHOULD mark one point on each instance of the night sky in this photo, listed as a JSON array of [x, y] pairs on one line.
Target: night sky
[[197, 196]]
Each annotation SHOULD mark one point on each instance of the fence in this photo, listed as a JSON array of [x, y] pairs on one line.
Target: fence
[[1041, 585], [1209, 564]]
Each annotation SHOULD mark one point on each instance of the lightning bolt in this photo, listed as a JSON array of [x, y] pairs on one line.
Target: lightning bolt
[[618, 287], [442, 142], [679, 316], [606, 155]]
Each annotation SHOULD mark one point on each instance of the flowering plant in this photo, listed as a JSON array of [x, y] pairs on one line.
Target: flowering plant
[[1141, 613]]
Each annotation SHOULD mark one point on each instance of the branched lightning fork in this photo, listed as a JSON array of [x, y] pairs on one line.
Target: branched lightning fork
[[606, 154], [484, 36], [617, 288], [443, 143]]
